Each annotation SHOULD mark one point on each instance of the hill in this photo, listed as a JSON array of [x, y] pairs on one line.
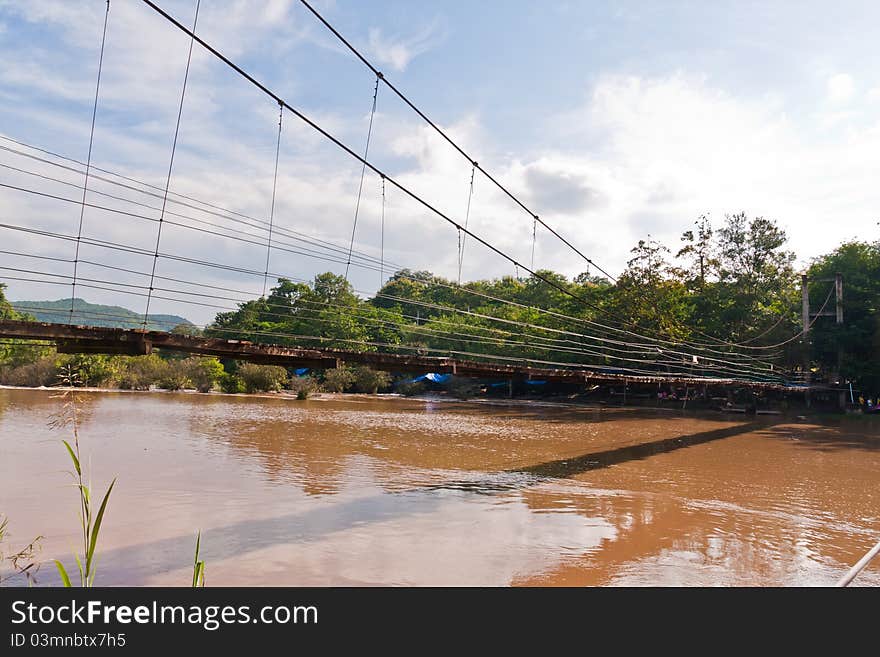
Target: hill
[[94, 314]]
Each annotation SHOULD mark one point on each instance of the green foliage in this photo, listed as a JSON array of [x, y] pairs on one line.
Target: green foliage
[[339, 379], [174, 375], [303, 386], [140, 372], [90, 369], [231, 383], [6, 309], [203, 372], [410, 389], [186, 329], [858, 339], [262, 378], [370, 381], [42, 372], [733, 281]]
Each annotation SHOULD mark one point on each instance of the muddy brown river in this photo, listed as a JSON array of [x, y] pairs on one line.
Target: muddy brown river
[[389, 491]]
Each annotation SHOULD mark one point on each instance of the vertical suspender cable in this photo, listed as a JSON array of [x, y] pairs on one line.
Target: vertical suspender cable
[[171, 164], [272, 206], [82, 209], [534, 233], [382, 239], [357, 205], [467, 216]]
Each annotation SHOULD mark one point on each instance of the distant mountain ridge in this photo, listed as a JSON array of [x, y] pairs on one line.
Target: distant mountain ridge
[[93, 314]]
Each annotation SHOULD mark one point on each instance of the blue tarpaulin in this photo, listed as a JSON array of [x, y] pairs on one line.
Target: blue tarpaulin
[[430, 376], [301, 371], [536, 383]]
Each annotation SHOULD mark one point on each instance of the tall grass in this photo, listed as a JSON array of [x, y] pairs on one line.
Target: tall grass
[[198, 565], [23, 562], [90, 522]]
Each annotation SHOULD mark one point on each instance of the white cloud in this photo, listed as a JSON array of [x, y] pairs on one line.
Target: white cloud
[[398, 51], [664, 150], [639, 155], [841, 88]]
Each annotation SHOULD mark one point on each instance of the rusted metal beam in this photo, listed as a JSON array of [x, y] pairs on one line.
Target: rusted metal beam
[[96, 339]]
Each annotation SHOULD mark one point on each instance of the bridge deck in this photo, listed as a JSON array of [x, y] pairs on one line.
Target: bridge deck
[[95, 339]]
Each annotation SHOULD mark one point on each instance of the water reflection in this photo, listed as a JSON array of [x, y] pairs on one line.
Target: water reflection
[[373, 491]]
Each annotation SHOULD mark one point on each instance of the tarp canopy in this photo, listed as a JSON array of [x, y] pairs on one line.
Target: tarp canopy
[[430, 376]]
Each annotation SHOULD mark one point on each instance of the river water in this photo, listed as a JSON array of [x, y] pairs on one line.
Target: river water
[[389, 491]]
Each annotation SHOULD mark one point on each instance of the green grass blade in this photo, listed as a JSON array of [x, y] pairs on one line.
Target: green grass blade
[[93, 571], [198, 566], [64, 578], [93, 542], [199, 574], [72, 457], [82, 576]]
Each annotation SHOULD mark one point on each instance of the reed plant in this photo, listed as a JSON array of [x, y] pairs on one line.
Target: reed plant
[[24, 562], [90, 521]]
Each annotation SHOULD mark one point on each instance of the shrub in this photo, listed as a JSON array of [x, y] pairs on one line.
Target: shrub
[[262, 378], [408, 389], [303, 386], [140, 372], [175, 375], [462, 387], [370, 381], [339, 379], [231, 383], [203, 372], [40, 373], [90, 369], [23, 352]]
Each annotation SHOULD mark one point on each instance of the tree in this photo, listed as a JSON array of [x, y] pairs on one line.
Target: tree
[[6, 309], [755, 280], [858, 339], [699, 251], [649, 296]]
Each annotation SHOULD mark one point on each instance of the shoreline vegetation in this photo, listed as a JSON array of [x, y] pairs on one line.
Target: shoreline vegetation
[[729, 284]]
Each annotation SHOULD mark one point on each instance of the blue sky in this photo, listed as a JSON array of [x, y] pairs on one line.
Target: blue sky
[[612, 120]]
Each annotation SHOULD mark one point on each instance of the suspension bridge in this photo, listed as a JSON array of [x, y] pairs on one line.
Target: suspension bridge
[[510, 341]]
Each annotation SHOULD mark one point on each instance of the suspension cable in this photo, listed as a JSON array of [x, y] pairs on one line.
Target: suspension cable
[[85, 186], [534, 239], [382, 240], [171, 162], [357, 205], [467, 216], [272, 206], [445, 136]]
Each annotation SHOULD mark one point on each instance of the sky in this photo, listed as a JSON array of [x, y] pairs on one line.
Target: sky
[[611, 120]]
